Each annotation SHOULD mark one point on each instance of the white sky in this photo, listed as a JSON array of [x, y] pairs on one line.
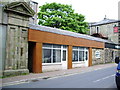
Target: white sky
[[94, 10]]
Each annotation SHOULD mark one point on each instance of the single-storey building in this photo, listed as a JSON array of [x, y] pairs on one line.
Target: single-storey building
[[33, 48]]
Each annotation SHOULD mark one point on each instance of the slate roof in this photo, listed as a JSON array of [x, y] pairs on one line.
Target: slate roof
[[65, 32], [104, 21]]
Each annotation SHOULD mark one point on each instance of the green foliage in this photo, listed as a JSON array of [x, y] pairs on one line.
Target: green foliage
[[63, 17]]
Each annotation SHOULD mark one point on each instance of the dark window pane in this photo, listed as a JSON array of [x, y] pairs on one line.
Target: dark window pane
[[75, 47], [75, 56], [56, 56], [46, 55], [81, 55], [64, 46], [56, 46], [47, 45], [64, 55], [86, 55]]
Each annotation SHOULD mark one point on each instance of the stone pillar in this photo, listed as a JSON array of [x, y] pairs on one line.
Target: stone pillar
[[37, 58], [69, 57], [90, 57]]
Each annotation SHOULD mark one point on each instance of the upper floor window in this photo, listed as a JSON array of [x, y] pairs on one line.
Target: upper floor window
[[97, 29]]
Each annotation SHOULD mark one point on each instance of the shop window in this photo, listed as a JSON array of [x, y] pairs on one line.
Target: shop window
[[46, 55], [56, 55], [52, 53], [75, 56], [79, 54]]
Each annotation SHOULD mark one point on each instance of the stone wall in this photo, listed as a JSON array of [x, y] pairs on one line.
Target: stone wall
[[97, 60], [110, 54], [107, 55]]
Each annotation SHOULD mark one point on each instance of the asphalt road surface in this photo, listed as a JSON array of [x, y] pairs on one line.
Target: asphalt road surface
[[103, 78]]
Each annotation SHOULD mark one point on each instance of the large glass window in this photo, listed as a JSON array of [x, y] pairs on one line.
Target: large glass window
[[75, 56], [52, 53], [56, 55], [46, 55], [80, 54]]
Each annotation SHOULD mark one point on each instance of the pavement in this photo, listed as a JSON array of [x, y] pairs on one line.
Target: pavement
[[49, 75]]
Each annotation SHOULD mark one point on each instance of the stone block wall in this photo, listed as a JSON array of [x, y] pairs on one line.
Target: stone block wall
[[16, 56], [110, 55], [96, 60], [107, 55], [17, 48]]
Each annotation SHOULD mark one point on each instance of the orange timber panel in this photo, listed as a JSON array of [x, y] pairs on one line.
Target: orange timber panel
[[47, 37]]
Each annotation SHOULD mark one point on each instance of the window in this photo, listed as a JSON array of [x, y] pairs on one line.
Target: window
[[52, 53], [75, 56], [56, 55], [79, 54], [97, 54], [46, 55], [64, 55], [97, 29]]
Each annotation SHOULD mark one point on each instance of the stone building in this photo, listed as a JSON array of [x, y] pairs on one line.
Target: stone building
[[106, 29], [14, 24]]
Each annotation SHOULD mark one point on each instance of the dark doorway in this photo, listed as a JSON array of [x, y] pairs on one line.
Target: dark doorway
[[31, 46]]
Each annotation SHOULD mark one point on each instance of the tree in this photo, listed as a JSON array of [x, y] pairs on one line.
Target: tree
[[63, 17]]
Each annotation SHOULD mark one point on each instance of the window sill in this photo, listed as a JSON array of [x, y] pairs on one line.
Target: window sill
[[47, 64], [78, 62]]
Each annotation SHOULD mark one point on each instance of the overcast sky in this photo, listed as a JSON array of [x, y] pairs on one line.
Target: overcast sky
[[94, 10]]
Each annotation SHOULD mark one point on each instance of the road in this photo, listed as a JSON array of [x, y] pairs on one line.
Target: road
[[102, 78]]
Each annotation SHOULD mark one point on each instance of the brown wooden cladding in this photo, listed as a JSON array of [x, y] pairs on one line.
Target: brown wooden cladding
[[90, 57], [47, 37], [69, 57], [37, 58]]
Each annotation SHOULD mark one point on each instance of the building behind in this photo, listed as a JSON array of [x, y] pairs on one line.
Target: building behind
[[106, 29]]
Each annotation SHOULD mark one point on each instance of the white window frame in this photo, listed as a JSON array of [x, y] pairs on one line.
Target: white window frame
[[61, 49], [84, 49]]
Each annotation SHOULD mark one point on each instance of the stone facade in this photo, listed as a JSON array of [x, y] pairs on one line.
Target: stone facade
[[107, 55], [106, 28], [16, 19], [110, 55], [97, 60]]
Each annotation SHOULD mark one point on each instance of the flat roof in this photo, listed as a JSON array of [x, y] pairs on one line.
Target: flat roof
[[65, 32]]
